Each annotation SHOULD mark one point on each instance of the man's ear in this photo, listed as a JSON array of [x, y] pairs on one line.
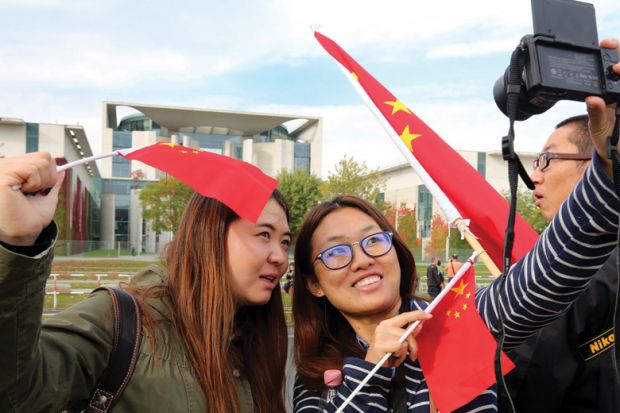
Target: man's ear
[[314, 288]]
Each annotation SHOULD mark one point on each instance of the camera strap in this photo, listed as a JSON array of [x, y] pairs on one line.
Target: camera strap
[[515, 170]]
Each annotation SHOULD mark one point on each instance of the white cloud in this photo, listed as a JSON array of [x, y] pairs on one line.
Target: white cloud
[[60, 70]]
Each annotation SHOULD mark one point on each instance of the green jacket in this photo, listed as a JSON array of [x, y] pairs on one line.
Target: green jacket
[[51, 366]]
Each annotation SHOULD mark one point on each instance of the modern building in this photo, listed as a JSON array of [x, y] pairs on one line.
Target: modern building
[[404, 188], [265, 140], [78, 213]]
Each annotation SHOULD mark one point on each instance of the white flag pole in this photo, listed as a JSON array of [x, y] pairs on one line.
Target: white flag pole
[[464, 268], [81, 161]]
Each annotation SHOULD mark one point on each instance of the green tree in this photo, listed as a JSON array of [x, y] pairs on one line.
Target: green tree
[[439, 232], [456, 243], [408, 225], [302, 192], [352, 178], [163, 203], [526, 207]]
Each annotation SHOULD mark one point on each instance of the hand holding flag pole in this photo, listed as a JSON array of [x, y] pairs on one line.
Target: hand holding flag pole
[[239, 185], [464, 268]]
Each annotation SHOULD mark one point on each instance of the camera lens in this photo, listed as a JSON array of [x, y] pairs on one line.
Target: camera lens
[[527, 105]]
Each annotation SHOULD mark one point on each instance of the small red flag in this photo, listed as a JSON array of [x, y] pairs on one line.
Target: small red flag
[[456, 350], [239, 185], [472, 196]]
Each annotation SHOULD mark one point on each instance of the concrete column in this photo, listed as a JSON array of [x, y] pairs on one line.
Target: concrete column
[[135, 221], [227, 150], [164, 239], [151, 240], [108, 215], [248, 147]]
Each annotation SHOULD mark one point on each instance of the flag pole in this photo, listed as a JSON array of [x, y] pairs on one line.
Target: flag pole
[[81, 161], [464, 268], [462, 226], [449, 210]]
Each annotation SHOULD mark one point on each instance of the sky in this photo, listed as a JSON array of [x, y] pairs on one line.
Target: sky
[[61, 59]]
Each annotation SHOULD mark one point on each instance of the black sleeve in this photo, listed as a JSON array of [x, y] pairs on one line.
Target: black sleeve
[[42, 243]]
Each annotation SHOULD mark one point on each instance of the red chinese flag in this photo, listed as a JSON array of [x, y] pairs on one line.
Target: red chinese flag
[[456, 349], [239, 185], [472, 196]]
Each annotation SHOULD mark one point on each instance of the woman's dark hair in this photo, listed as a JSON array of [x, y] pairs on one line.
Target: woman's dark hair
[[323, 337]]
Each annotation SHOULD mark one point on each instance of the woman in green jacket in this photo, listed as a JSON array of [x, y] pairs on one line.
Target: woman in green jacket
[[213, 338]]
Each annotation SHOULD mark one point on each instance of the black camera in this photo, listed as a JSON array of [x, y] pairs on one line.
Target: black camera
[[560, 61]]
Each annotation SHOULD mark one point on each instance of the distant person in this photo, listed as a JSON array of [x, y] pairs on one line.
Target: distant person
[[213, 327], [288, 284], [453, 266], [434, 279]]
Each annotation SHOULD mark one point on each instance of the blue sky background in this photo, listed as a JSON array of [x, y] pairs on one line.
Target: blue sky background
[[61, 59]]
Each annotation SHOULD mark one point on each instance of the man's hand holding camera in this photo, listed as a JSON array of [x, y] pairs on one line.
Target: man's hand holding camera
[[602, 116]]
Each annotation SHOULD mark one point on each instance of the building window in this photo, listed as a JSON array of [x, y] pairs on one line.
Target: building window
[[302, 156], [482, 164], [121, 167], [425, 214], [121, 230], [32, 137]]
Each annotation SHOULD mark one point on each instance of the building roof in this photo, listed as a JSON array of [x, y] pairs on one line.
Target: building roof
[[219, 122]]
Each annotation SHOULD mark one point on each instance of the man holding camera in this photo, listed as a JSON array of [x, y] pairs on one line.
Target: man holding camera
[[568, 366]]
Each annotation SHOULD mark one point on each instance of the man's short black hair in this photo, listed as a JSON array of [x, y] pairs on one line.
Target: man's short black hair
[[581, 135]]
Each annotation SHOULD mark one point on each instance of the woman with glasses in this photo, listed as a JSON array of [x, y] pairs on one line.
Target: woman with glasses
[[352, 301]]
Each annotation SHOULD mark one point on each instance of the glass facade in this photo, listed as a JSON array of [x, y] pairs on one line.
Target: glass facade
[[302, 156], [121, 167], [279, 132], [215, 143], [137, 122], [482, 164], [121, 188], [425, 213], [32, 137]]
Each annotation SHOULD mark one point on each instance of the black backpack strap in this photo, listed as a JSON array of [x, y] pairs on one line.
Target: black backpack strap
[[125, 348]]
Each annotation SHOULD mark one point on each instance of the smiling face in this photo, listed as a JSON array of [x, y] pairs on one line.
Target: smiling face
[[555, 183], [258, 254], [368, 286]]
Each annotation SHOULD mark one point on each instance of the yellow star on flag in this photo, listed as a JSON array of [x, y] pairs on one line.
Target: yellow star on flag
[[465, 306], [460, 290], [448, 313], [355, 76], [397, 105], [467, 295], [408, 137], [172, 145], [457, 314]]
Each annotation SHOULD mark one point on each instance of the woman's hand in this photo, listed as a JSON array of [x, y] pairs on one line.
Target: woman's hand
[[387, 334], [22, 216]]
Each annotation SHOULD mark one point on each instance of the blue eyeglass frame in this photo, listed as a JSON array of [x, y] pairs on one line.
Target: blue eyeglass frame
[[390, 237]]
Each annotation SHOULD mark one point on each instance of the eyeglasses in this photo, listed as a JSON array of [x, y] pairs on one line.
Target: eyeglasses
[[341, 255], [542, 162]]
